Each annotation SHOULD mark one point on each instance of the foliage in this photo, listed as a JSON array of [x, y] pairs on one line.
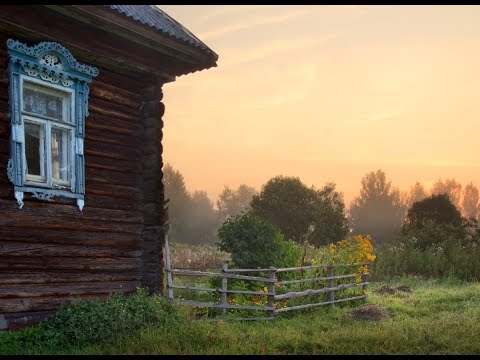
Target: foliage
[[449, 187], [253, 243], [378, 210], [417, 193], [434, 250], [471, 204], [289, 204], [97, 321], [231, 202], [436, 208]]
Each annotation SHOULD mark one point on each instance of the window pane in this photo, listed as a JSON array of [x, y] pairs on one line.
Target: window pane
[[38, 102], [35, 149], [60, 155]]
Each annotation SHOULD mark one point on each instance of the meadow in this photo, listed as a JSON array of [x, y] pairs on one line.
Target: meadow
[[434, 317]]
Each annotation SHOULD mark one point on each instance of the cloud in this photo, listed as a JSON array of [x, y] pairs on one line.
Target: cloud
[[273, 47], [249, 23]]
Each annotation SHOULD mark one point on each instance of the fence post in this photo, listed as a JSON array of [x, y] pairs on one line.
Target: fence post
[[271, 289], [331, 283], [169, 270], [223, 294]]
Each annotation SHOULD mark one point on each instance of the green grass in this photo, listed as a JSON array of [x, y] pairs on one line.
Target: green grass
[[437, 317]]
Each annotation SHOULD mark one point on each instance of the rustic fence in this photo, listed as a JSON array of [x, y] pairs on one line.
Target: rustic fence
[[272, 281]]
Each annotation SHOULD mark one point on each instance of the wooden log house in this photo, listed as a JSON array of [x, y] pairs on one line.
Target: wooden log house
[[82, 208]]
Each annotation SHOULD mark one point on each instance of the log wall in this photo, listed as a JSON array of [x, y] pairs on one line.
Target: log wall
[[50, 251]]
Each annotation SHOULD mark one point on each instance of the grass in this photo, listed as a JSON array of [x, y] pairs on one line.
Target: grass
[[437, 317]]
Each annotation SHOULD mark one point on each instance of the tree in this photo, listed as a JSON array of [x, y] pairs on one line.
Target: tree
[[470, 204], [417, 193], [178, 202], [192, 218], [437, 208], [231, 202], [202, 219], [449, 187], [378, 211], [434, 220], [290, 205]]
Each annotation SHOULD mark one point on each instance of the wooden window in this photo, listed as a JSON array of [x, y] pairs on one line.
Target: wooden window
[[46, 118], [48, 108]]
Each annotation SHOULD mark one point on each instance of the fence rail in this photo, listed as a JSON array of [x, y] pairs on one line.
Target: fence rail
[[272, 282]]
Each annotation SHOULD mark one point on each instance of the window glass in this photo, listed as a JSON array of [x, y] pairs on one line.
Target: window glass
[[35, 149], [45, 104], [60, 141]]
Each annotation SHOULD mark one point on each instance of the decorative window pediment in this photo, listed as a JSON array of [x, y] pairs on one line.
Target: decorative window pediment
[[48, 107]]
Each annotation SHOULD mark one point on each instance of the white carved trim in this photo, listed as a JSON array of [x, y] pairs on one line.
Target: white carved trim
[[19, 197], [80, 204]]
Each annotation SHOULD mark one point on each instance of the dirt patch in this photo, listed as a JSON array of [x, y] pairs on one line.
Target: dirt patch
[[385, 289], [370, 312]]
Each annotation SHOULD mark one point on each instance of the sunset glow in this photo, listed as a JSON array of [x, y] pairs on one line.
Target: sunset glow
[[327, 93]]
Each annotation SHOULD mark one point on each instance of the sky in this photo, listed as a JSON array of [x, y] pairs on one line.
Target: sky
[[327, 94]]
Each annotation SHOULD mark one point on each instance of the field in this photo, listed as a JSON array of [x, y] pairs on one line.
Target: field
[[422, 317]]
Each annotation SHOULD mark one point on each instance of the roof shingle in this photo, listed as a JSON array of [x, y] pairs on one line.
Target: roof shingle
[[153, 17]]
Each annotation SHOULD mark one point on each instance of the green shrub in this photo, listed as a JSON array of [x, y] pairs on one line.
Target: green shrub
[[254, 243], [100, 321]]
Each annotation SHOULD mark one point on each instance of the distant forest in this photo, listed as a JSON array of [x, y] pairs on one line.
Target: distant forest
[[379, 210]]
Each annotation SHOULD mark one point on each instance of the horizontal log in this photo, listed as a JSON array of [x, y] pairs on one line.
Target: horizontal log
[[96, 105], [223, 306], [99, 121], [127, 151], [19, 219], [308, 292], [115, 95], [117, 192], [71, 213], [47, 277], [12, 264], [107, 202], [104, 136], [10, 248], [97, 161], [251, 270], [321, 266], [111, 177], [59, 236], [300, 307], [228, 276], [10, 305], [193, 288], [44, 290], [323, 278]]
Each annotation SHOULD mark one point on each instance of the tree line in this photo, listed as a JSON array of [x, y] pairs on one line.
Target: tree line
[[302, 213]]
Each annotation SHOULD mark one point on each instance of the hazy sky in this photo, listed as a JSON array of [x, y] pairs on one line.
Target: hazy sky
[[327, 93]]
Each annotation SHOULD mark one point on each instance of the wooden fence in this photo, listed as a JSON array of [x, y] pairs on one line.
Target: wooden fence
[[272, 282]]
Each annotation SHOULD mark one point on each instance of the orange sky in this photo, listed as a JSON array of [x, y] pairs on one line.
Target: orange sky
[[327, 93]]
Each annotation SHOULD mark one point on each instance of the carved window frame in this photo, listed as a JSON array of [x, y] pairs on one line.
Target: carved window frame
[[53, 66]]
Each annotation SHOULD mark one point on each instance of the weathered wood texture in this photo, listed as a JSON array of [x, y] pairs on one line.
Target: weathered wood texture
[[51, 251]]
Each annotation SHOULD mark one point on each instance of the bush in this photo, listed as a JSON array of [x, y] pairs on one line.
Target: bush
[[434, 251], [253, 243], [100, 321]]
